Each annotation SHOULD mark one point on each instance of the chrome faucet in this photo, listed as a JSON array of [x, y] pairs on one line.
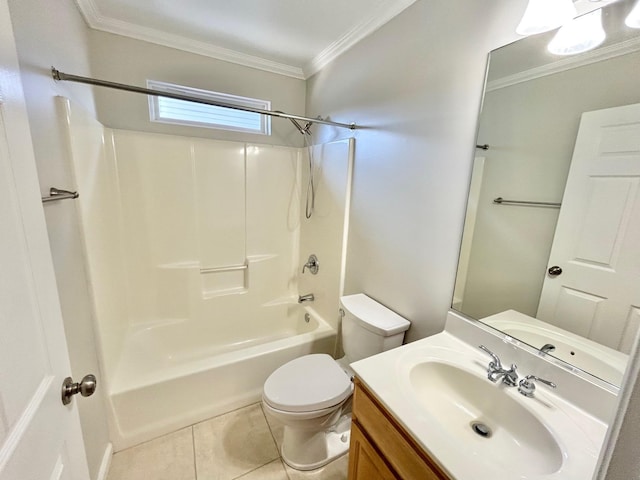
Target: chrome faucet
[[495, 371], [306, 298], [547, 347], [527, 387]]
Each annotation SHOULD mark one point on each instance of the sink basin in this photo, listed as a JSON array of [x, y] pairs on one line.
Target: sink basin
[[483, 417]]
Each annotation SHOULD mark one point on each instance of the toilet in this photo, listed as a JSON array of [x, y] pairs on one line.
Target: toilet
[[311, 395]]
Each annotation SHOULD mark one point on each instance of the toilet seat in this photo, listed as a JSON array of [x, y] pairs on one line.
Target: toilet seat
[[309, 383]]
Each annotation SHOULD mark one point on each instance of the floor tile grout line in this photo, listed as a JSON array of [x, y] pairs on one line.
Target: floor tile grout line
[[257, 468], [284, 467], [223, 414], [193, 443], [273, 437]]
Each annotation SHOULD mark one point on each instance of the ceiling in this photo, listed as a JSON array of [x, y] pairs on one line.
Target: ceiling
[[289, 37]]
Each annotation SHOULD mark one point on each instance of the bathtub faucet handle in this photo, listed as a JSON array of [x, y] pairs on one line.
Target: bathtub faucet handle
[[312, 264]]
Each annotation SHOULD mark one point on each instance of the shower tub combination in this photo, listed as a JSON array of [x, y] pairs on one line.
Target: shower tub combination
[[195, 293]]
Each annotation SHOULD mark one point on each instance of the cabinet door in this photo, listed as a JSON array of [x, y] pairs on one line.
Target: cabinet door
[[365, 463], [390, 449]]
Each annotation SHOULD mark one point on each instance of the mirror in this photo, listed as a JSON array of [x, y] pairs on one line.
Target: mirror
[[552, 230]]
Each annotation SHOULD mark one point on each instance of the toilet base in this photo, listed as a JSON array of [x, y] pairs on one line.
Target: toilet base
[[305, 450]]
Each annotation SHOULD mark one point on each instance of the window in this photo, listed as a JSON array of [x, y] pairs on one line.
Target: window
[[182, 112]]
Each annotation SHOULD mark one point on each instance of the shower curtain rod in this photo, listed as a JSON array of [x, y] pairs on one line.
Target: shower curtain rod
[[61, 76]]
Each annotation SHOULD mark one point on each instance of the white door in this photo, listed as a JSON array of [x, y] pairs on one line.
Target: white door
[[40, 439], [597, 239]]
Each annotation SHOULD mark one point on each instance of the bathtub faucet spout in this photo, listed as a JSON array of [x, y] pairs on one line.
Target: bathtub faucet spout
[[306, 298]]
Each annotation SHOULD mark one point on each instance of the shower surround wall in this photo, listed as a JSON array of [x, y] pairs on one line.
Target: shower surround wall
[[194, 253], [196, 237]]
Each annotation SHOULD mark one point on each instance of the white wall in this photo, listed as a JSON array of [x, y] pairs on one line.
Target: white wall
[[531, 128], [415, 84], [49, 35], [126, 60]]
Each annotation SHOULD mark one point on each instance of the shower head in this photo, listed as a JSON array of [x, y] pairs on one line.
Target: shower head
[[303, 130]]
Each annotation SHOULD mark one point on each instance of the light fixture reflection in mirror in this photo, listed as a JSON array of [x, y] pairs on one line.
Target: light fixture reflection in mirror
[[579, 35], [544, 15], [633, 19]]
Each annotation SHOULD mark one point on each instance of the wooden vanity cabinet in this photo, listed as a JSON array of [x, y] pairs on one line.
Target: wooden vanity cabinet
[[381, 449]]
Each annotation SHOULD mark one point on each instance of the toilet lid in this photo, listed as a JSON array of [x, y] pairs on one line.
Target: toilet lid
[[308, 383]]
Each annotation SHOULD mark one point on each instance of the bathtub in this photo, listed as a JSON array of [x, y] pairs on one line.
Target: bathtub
[[176, 373]]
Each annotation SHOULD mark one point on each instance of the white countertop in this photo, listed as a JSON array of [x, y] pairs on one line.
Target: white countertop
[[579, 435]]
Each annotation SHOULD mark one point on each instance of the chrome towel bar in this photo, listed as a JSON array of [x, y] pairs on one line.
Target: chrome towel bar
[[59, 194], [503, 201]]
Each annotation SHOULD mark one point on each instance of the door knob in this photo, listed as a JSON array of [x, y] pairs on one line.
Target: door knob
[[554, 271], [86, 387]]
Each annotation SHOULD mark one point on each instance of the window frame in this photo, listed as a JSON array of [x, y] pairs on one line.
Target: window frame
[[154, 107]]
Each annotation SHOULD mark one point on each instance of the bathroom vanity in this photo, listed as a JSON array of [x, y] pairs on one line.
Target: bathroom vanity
[[381, 448], [428, 410]]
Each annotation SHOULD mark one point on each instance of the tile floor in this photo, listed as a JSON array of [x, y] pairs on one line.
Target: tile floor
[[241, 444]]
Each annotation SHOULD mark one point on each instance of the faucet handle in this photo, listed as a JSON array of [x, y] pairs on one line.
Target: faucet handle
[[312, 264], [527, 387], [496, 363]]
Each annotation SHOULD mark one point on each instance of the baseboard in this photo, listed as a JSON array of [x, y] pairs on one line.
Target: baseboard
[[106, 462]]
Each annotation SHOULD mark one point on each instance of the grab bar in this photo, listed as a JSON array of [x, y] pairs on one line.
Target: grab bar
[[230, 268], [59, 194], [502, 201]]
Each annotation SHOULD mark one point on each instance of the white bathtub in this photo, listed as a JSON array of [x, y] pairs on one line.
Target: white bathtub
[[174, 374]]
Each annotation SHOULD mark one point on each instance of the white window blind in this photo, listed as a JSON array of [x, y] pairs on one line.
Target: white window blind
[[182, 112]]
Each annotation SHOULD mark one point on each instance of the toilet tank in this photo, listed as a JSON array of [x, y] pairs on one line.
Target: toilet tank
[[369, 327]]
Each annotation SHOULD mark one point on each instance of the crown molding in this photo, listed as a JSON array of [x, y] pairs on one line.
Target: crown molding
[[368, 25], [587, 58], [377, 18], [97, 21]]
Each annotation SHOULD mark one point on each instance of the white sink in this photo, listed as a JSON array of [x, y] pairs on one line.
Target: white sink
[[437, 388], [483, 418]]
